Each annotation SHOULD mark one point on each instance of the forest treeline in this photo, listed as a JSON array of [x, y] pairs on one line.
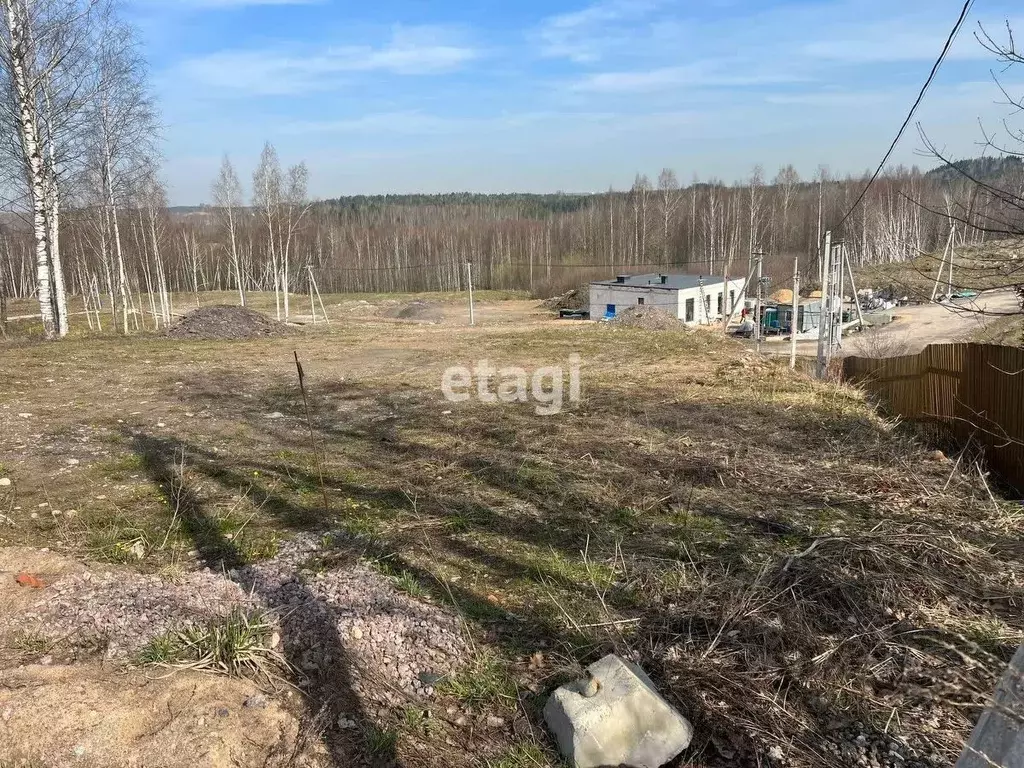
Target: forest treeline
[[88, 214], [540, 243]]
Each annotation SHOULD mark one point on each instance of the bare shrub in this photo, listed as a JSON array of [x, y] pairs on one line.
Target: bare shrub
[[879, 343]]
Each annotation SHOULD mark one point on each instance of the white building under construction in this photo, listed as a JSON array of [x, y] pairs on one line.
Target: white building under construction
[[694, 299]]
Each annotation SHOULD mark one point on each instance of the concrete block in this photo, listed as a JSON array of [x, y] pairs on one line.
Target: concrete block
[[615, 718], [998, 738]]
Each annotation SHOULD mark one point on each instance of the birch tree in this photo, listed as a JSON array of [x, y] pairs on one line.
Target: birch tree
[[266, 199], [123, 125], [227, 197], [42, 45], [668, 199]]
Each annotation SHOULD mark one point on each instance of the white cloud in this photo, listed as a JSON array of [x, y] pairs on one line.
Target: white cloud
[[585, 35], [199, 5], [282, 71], [720, 74], [416, 123]]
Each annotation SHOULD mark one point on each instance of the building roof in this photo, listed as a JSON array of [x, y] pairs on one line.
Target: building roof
[[672, 282]]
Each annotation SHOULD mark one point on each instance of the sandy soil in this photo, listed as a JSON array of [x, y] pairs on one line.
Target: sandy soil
[[98, 714], [915, 327], [919, 326]]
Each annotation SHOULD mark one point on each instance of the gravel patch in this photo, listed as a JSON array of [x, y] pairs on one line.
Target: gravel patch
[[225, 322], [390, 641]]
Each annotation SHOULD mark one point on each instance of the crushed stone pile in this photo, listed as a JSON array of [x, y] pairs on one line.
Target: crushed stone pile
[[648, 318], [416, 311], [225, 322], [387, 635], [389, 640]]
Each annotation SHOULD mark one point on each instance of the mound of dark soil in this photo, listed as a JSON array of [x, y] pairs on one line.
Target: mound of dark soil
[[225, 322], [417, 311], [648, 318]]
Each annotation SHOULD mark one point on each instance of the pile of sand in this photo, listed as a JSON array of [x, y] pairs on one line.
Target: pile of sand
[[225, 322], [648, 318], [416, 311]]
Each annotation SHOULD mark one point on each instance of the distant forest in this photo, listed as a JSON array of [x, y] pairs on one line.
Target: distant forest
[[543, 243], [979, 168]]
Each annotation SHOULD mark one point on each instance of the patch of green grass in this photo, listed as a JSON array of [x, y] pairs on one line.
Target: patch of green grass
[[162, 649], [30, 643], [417, 720], [259, 548], [381, 742], [699, 527], [116, 543], [408, 583], [361, 525], [238, 644], [119, 467], [485, 682], [568, 571], [401, 578], [521, 756], [625, 517], [990, 634]]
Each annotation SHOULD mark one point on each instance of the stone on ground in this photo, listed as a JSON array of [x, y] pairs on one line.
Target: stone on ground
[[625, 722]]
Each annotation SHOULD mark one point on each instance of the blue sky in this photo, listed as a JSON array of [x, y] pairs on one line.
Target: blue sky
[[524, 95]]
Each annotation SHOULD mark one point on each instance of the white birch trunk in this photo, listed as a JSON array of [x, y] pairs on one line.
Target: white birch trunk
[[29, 130], [60, 298]]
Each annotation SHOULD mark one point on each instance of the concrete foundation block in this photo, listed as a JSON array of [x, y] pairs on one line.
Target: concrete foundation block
[[615, 718], [998, 738]]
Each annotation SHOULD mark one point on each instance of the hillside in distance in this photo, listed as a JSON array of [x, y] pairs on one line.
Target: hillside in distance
[[983, 169]]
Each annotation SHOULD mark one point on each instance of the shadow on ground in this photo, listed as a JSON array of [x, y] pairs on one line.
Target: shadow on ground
[[774, 593], [327, 689]]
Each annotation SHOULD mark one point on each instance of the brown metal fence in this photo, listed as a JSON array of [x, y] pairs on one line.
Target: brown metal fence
[[975, 389]]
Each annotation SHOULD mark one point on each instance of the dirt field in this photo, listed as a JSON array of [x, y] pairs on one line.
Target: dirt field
[[809, 584]]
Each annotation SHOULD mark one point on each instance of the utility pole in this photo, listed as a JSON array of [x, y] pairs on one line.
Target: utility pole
[[824, 323], [856, 298], [942, 266], [312, 306], [757, 304], [952, 246], [841, 293], [793, 324], [469, 281]]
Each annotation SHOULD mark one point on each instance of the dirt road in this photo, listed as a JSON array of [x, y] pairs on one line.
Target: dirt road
[[918, 326], [915, 327]]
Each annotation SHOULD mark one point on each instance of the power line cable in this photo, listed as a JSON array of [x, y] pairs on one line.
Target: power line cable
[[497, 265], [917, 102]]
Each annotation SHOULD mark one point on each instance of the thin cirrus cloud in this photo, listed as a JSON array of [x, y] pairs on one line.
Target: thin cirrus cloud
[[292, 70], [585, 35], [698, 75], [203, 5], [420, 124]]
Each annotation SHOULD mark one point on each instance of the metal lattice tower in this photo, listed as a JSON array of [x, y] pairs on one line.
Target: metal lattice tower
[[830, 326]]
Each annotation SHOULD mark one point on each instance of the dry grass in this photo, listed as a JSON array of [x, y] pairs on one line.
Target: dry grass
[[791, 569], [1008, 331], [980, 267]]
